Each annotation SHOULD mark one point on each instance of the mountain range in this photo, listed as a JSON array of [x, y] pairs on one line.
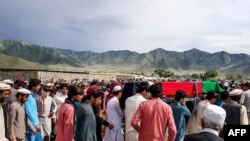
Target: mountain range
[[122, 61]]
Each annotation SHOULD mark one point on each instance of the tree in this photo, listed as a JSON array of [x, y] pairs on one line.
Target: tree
[[159, 72], [163, 73], [168, 74], [229, 76], [195, 75], [239, 76], [201, 75], [211, 74]]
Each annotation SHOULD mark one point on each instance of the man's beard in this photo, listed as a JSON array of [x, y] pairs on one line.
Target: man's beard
[[24, 100], [2, 102]]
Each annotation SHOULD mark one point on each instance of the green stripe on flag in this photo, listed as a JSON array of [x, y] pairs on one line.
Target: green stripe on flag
[[211, 86]]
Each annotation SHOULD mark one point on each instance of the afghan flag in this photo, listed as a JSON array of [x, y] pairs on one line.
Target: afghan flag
[[191, 88]]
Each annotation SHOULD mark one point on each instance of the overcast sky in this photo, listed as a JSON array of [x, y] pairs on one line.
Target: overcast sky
[[136, 25]]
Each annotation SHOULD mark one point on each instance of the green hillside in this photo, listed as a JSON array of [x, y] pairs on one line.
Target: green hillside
[[15, 62], [125, 60]]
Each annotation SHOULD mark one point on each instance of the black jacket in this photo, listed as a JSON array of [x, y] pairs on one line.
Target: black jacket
[[99, 122], [202, 136]]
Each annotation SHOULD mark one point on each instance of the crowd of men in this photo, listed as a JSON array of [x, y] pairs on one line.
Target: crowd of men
[[92, 112]]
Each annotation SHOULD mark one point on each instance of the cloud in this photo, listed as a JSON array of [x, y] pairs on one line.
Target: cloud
[[141, 25]]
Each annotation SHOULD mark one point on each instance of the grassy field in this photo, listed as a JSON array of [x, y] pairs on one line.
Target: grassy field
[[15, 62]]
